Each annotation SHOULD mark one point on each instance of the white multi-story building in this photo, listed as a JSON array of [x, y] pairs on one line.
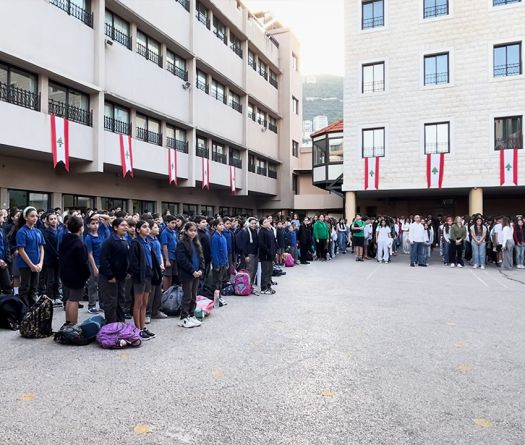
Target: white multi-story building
[[208, 81], [434, 106], [320, 122]]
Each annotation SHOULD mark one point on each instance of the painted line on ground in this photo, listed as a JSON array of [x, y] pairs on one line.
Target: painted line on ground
[[373, 272], [504, 286], [478, 278]]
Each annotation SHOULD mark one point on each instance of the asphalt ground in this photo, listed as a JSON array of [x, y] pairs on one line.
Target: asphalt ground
[[343, 353]]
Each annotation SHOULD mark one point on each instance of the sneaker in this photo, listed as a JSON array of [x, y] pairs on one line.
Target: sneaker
[[147, 320], [452, 265], [475, 266], [57, 303], [255, 292], [80, 306], [422, 265], [148, 332], [195, 321], [222, 302], [460, 266], [128, 316], [144, 336], [273, 283], [412, 265], [93, 310], [482, 267], [186, 323], [159, 316]]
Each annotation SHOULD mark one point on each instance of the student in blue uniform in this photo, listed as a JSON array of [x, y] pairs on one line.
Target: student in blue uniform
[[93, 242]]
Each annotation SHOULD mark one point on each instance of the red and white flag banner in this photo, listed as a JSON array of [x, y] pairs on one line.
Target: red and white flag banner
[[435, 170], [60, 141], [233, 179], [172, 165], [508, 167], [126, 155], [372, 173], [205, 173]]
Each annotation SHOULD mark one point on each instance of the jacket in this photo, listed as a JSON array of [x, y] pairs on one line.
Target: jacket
[[458, 232], [305, 236], [73, 261], [243, 244], [185, 260], [51, 247], [5, 252], [321, 230], [138, 269], [114, 258], [204, 238], [219, 250], [281, 235], [267, 245]]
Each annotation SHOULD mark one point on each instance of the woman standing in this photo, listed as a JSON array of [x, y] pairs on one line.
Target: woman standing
[[478, 235], [342, 235], [321, 237], [507, 245], [383, 235], [458, 233], [519, 241], [190, 262]]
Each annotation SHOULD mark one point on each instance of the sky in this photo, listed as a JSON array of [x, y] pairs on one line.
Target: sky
[[318, 24]]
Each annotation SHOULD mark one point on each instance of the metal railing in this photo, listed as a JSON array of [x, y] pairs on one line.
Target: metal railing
[[116, 126], [236, 49], [149, 136], [272, 127], [221, 36], [274, 83], [436, 78], [19, 96], [262, 122], [236, 106], [118, 36], [203, 18], [435, 11], [373, 22], [263, 73], [185, 3], [74, 10], [202, 152], [251, 115], [372, 152], [262, 171], [509, 143], [434, 147], [253, 64], [181, 146], [251, 168], [221, 97], [70, 112], [236, 162], [512, 69], [219, 157], [504, 2], [272, 174], [179, 72], [203, 86], [149, 55], [374, 87]]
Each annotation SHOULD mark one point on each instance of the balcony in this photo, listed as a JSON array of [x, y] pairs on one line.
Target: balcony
[[20, 97], [219, 157], [149, 136], [219, 174], [203, 18], [274, 83], [181, 146], [236, 106], [202, 152], [71, 113], [179, 72], [272, 173], [261, 140], [229, 126], [118, 36], [272, 128], [185, 4], [261, 89], [74, 10], [236, 162], [236, 49], [262, 184], [149, 55], [116, 126], [261, 171]]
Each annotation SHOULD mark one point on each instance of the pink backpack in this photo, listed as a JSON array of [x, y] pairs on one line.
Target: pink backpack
[[205, 305], [241, 283], [289, 261], [118, 335]]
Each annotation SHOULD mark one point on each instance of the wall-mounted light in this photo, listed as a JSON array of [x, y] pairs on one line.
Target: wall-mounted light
[[187, 85], [109, 42]]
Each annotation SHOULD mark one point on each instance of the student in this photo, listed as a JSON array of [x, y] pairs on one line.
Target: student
[[141, 271], [5, 259], [219, 259], [93, 243], [478, 235], [190, 262], [358, 237], [519, 241], [291, 242], [507, 245], [342, 235], [74, 267], [155, 295], [113, 270], [383, 235], [30, 245], [49, 278], [267, 250], [204, 238], [321, 236], [168, 240], [458, 233], [228, 234], [281, 245], [247, 243], [305, 240], [496, 236]]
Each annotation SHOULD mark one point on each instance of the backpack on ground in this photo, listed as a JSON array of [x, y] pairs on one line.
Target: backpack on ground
[[118, 336], [241, 283], [278, 271], [38, 320], [12, 311], [228, 290], [171, 301], [204, 307], [288, 260], [80, 334]]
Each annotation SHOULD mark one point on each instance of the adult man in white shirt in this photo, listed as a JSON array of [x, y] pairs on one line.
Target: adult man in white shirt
[[417, 236]]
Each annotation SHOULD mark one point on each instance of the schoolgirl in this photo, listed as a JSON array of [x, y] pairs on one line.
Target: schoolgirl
[[93, 241], [478, 236], [154, 300], [507, 245], [219, 259], [383, 237], [5, 259]]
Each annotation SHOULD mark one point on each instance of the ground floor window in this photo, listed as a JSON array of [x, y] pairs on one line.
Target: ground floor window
[[189, 209], [77, 202], [171, 207], [207, 211], [24, 198], [114, 204], [143, 206], [224, 211]]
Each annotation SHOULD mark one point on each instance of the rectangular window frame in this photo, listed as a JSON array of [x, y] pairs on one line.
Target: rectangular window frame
[[383, 83], [506, 46], [425, 75], [507, 147], [374, 22], [378, 153], [425, 141]]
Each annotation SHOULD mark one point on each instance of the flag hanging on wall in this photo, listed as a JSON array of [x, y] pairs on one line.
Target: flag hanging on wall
[[172, 165], [233, 179], [508, 167], [372, 173], [126, 155], [205, 173], [435, 170], [60, 141]]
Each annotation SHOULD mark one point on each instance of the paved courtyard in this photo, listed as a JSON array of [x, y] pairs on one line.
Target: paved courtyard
[[344, 353]]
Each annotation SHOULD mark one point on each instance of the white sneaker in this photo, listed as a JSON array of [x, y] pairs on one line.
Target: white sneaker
[[452, 265], [186, 323], [475, 266], [459, 265], [195, 321], [482, 267]]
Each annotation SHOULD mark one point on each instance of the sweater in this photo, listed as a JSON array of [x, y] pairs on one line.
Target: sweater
[[219, 250], [458, 232], [267, 245], [321, 230], [73, 262], [185, 249], [114, 259]]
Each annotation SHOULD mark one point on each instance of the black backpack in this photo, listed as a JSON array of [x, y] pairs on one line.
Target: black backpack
[[12, 311], [37, 322]]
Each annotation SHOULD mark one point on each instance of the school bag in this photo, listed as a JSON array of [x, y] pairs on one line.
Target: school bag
[[289, 260], [37, 322], [228, 290], [171, 300], [80, 334], [12, 311], [118, 335], [278, 271], [204, 307], [241, 283]]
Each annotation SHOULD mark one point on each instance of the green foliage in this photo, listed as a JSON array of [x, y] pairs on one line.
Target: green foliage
[[324, 97]]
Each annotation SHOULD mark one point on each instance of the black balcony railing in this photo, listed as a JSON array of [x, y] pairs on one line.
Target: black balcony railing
[[251, 116], [509, 143], [149, 136], [219, 157], [74, 10], [251, 168], [185, 3], [20, 97], [220, 97], [513, 69], [203, 18], [203, 152], [70, 112], [149, 55], [436, 78], [253, 64], [118, 36], [179, 72], [504, 2], [116, 126], [221, 36], [181, 146], [262, 122], [236, 162], [374, 87], [272, 174], [261, 171], [236, 106], [203, 86], [373, 22], [263, 73], [236, 49], [272, 127], [274, 83], [435, 11]]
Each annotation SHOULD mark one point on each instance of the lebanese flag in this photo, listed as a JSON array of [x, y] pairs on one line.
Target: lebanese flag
[[126, 156], [372, 173], [508, 167], [233, 180], [60, 141], [435, 170], [205, 173], [172, 165]]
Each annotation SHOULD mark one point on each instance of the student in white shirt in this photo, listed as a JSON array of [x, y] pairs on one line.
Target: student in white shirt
[[507, 243]]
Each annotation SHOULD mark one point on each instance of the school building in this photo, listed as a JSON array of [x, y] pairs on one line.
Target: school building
[[189, 105]]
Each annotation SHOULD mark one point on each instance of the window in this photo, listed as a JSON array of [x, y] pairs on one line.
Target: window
[[507, 60], [235, 158], [218, 91], [295, 64], [80, 9], [263, 69], [508, 133], [218, 153], [272, 170], [70, 104], [234, 101], [261, 118], [373, 143], [202, 147], [201, 13], [141, 207], [295, 149], [224, 211], [185, 3], [116, 118], [114, 203], [295, 184], [319, 151], [504, 2], [235, 44], [117, 29], [261, 167], [437, 138], [273, 80], [295, 105], [207, 210], [272, 124], [373, 77], [251, 163], [435, 8], [176, 65], [171, 207], [436, 69], [176, 138], [189, 209], [19, 87], [148, 48], [219, 30], [252, 61], [148, 129], [24, 198], [372, 14], [251, 111], [335, 149], [202, 81], [77, 202]]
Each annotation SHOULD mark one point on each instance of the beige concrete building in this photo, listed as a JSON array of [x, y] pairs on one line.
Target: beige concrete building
[[199, 79], [434, 100]]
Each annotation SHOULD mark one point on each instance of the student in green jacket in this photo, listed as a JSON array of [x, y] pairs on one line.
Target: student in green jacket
[[458, 234], [321, 237]]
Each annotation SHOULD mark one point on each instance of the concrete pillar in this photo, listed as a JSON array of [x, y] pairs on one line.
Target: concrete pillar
[[43, 87], [130, 206], [350, 206], [4, 198], [98, 203], [158, 206], [56, 200], [475, 201]]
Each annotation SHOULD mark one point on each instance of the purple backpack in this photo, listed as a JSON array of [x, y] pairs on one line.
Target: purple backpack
[[118, 335], [241, 283]]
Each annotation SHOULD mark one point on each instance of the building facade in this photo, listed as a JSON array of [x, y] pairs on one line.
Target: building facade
[[434, 100], [209, 83]]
